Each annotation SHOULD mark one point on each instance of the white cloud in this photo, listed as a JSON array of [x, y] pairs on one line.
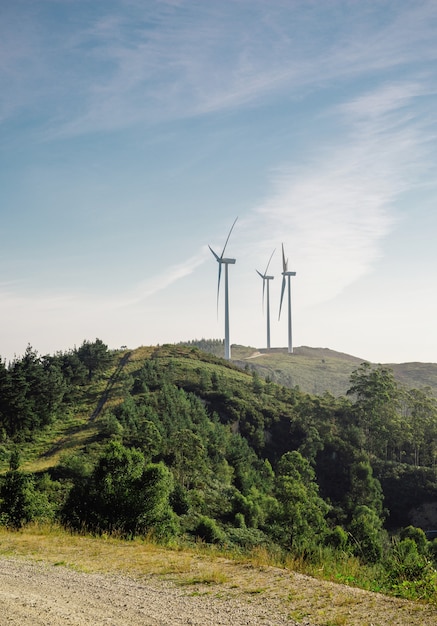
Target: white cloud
[[334, 213], [142, 62], [190, 60], [164, 280]]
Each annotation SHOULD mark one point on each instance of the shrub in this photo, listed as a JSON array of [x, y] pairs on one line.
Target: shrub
[[417, 535], [247, 538], [409, 573], [366, 535], [208, 530], [337, 538]]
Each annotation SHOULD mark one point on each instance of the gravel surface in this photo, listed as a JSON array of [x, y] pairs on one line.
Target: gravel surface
[[32, 594], [36, 593]]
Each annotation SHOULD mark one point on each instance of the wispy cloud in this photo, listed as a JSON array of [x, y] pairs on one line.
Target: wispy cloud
[[67, 318], [138, 62], [196, 59], [46, 301], [334, 213], [168, 277]]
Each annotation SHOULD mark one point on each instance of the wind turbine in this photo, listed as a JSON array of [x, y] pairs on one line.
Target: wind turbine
[[288, 274], [266, 281], [221, 260]]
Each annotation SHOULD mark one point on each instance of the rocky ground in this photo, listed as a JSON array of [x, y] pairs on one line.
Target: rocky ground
[[33, 594], [42, 594]]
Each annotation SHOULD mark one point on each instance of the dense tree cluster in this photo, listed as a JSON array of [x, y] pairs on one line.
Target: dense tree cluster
[[34, 388], [31, 391], [197, 449]]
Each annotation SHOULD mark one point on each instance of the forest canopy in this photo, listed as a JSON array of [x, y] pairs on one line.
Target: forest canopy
[[185, 445]]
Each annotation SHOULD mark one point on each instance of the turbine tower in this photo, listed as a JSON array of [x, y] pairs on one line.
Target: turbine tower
[[287, 274], [266, 281], [221, 260]]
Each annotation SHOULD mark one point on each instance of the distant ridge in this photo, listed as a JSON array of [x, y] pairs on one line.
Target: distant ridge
[[326, 352], [321, 370], [316, 370]]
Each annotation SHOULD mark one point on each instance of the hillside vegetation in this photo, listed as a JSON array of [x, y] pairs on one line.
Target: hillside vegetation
[[320, 370], [176, 442], [316, 370]]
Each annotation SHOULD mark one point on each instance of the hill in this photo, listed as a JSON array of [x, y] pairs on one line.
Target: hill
[[179, 443], [320, 370]]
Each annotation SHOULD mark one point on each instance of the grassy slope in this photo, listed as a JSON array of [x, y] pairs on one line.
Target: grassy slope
[[316, 370], [313, 370], [79, 428]]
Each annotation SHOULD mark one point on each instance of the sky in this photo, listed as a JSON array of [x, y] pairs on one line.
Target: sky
[[132, 134]]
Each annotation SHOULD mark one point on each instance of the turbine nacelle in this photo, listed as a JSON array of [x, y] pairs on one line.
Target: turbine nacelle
[[286, 277], [285, 272], [266, 277], [222, 260]]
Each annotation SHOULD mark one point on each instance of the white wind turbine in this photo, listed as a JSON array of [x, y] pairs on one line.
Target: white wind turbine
[[266, 281], [221, 260], [288, 274]]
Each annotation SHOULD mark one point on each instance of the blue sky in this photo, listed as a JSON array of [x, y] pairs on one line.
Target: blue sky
[[133, 133]]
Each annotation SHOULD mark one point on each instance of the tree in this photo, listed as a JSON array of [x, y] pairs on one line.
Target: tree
[[377, 403], [95, 356], [32, 390], [156, 489], [17, 496], [257, 383], [122, 494], [72, 368], [302, 511], [364, 488], [422, 422], [189, 457], [311, 445], [16, 500], [366, 534]]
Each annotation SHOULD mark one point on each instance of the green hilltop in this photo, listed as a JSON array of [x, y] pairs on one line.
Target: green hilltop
[[306, 454], [316, 370]]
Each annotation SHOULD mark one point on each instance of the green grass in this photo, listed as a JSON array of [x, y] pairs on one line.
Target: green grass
[[317, 370], [313, 370]]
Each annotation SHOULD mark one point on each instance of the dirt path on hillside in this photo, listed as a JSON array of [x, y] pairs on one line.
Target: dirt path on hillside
[[37, 594], [32, 594]]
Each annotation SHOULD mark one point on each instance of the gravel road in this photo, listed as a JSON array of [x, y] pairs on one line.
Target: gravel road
[[33, 594]]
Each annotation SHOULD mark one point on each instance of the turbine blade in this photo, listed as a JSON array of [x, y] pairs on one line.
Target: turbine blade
[[265, 273], [263, 276], [282, 296], [214, 253], [226, 242], [284, 262], [218, 283]]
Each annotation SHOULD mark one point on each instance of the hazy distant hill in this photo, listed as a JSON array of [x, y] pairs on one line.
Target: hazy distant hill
[[316, 370]]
